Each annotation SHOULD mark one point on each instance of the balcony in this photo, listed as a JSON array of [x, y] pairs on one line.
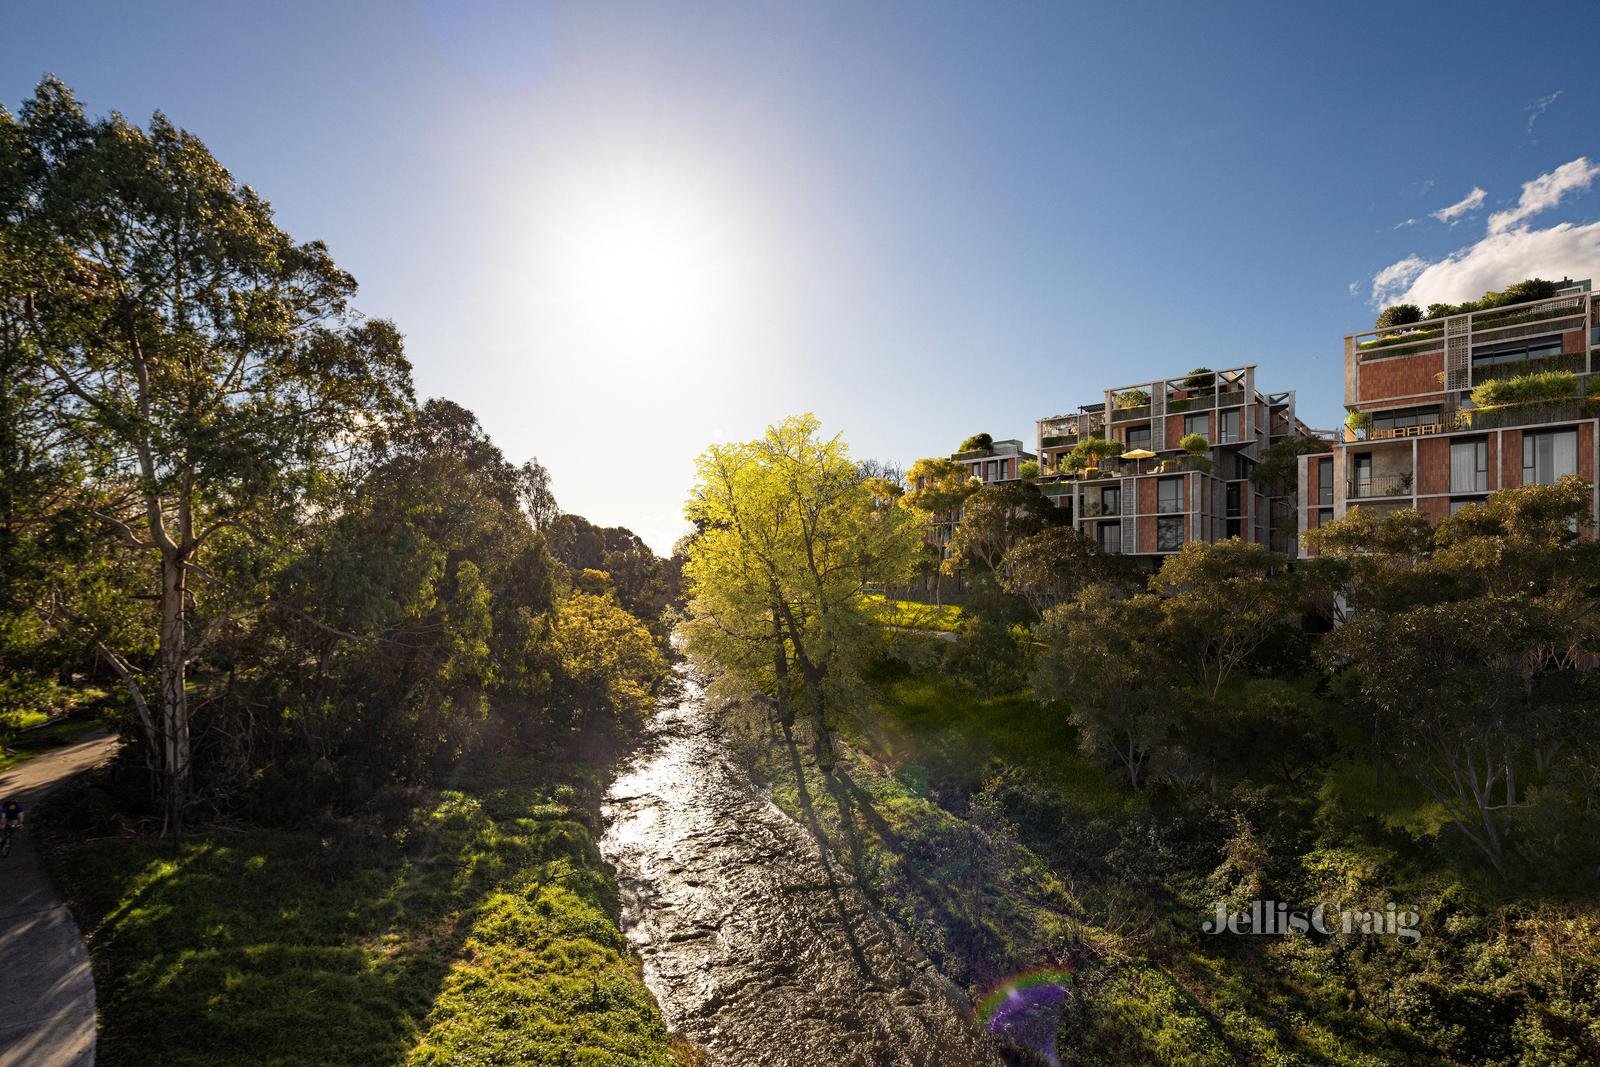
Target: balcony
[[1380, 485], [1130, 414]]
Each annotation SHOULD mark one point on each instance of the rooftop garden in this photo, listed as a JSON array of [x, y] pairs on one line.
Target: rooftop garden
[[1396, 319]]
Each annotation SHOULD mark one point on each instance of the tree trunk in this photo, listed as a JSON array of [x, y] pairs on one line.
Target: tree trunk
[[780, 667], [174, 693], [821, 736]]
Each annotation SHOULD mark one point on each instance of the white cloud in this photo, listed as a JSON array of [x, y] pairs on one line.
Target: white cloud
[[1394, 279], [1564, 250], [1471, 202], [1545, 192], [1403, 225], [1539, 106]]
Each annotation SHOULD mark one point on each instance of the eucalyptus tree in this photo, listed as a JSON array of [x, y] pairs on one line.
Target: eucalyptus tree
[[791, 534], [203, 372]]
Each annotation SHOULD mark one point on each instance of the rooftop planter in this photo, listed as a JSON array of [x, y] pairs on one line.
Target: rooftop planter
[[1572, 362], [1394, 344], [1538, 387]]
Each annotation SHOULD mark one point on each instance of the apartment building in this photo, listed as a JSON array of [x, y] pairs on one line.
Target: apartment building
[[1153, 496], [1444, 411], [998, 461]]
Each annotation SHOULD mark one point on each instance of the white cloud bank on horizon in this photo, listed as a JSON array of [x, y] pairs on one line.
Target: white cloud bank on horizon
[[1471, 202], [1507, 253]]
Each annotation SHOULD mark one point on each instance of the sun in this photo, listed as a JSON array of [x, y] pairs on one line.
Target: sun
[[644, 271]]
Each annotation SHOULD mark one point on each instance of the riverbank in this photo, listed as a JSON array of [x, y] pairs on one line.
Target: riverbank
[[472, 925], [974, 821]]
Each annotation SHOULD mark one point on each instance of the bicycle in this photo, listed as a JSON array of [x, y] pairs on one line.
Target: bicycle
[[5, 839]]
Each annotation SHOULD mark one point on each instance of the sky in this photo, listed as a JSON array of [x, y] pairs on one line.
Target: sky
[[619, 233]]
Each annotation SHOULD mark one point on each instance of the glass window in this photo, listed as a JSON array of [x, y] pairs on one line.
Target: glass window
[[1235, 528], [1469, 466], [1200, 424], [1458, 503], [1169, 533], [1324, 516], [1516, 351], [1235, 499], [1138, 437], [1325, 482], [1230, 426], [1110, 537], [1549, 456], [1405, 418], [1169, 494], [1110, 500], [991, 470], [1361, 484]]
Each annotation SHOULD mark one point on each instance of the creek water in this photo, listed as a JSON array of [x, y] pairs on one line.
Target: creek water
[[759, 947]]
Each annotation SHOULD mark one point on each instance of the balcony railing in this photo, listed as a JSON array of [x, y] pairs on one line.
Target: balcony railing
[[1525, 414], [1380, 485], [1576, 362], [1139, 411]]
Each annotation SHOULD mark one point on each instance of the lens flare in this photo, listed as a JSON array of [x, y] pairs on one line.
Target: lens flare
[[1026, 1007]]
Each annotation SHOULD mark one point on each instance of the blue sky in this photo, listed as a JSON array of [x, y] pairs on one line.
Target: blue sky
[[618, 233]]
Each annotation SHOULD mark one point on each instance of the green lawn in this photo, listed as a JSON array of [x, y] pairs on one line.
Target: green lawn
[[914, 615], [483, 931]]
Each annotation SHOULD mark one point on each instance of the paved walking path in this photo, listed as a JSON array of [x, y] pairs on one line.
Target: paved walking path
[[46, 987]]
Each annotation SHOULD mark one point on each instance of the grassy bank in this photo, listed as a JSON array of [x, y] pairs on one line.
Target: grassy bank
[[477, 927], [978, 825], [914, 615], [25, 734]]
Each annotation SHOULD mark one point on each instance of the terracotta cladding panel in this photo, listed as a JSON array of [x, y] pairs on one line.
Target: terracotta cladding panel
[[1147, 495], [1435, 508], [1572, 341], [1147, 535], [1175, 430], [1400, 376], [1433, 466], [1511, 459], [1586, 451]]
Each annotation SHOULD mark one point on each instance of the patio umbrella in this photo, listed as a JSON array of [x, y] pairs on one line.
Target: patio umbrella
[[1138, 453]]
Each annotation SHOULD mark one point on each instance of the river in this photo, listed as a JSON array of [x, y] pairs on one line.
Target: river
[[759, 947]]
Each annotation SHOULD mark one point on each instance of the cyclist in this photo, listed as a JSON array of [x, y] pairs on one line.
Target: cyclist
[[10, 821]]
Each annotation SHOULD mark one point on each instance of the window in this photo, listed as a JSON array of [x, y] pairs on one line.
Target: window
[[1235, 499], [1200, 424], [1325, 482], [1110, 534], [1169, 494], [1361, 484], [991, 470], [1110, 500], [1405, 418], [1469, 466], [1169, 533], [1516, 351], [1548, 456], [1324, 516], [1230, 426], [1457, 503], [1137, 437], [1235, 528]]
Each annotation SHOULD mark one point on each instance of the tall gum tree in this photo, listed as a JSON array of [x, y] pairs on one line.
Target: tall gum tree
[[206, 370], [790, 535]]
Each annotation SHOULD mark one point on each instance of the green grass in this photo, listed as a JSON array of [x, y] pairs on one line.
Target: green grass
[[483, 932], [914, 615], [930, 725], [26, 734]]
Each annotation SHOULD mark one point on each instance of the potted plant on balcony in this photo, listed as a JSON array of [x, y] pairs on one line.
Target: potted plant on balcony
[[1405, 483], [1130, 398], [1360, 422]]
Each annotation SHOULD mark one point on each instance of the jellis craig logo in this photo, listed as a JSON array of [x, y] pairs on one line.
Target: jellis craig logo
[[1276, 917]]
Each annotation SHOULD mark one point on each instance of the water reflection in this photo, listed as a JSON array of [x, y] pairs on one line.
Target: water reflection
[[758, 948]]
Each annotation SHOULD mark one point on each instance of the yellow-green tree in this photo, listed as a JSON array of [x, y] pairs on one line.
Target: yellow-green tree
[[790, 534]]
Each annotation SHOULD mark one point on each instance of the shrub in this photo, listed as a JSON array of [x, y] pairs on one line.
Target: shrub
[[1398, 315], [1199, 380], [1095, 448], [1028, 470], [1130, 398], [1540, 387], [975, 442], [1359, 420], [1194, 443]]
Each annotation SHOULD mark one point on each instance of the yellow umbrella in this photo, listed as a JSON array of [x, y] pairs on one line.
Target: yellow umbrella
[[1139, 453]]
